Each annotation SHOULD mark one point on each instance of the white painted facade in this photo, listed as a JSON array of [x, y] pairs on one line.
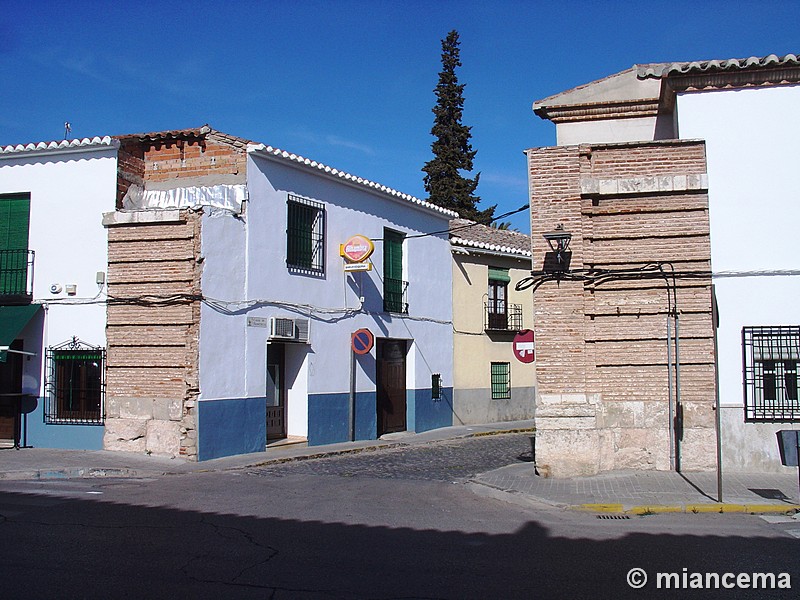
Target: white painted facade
[[244, 268], [70, 186], [751, 138]]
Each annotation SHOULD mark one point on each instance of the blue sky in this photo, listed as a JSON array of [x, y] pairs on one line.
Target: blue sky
[[348, 83]]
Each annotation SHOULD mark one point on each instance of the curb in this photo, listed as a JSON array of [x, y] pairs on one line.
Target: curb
[[73, 473], [715, 507]]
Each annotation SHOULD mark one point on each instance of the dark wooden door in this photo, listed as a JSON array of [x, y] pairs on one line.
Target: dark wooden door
[[10, 389], [276, 392], [391, 384]]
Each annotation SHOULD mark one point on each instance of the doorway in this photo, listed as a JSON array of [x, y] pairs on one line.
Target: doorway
[[10, 390], [391, 384], [276, 392]]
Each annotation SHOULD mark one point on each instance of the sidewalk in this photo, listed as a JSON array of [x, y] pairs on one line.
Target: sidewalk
[[634, 492], [45, 463], [649, 492]]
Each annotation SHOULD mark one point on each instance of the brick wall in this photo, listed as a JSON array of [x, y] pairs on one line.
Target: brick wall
[[153, 332], [602, 348], [170, 160]]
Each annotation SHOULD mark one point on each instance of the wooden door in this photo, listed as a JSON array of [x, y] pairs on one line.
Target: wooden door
[[10, 389], [391, 384], [276, 392]]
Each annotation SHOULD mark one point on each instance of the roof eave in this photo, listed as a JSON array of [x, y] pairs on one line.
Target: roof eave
[[318, 168], [58, 147]]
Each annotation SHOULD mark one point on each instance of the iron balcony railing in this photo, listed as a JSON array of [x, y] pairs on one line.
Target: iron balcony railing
[[502, 317], [16, 276], [395, 296]]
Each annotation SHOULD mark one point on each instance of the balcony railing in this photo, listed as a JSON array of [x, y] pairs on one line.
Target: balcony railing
[[497, 319], [395, 296], [16, 276]]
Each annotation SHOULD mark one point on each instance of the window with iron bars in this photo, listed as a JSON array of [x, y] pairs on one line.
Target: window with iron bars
[[305, 235], [770, 363], [501, 381], [75, 386]]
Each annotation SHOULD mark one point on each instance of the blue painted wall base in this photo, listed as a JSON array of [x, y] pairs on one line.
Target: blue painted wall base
[[328, 415], [328, 418], [38, 434], [231, 426]]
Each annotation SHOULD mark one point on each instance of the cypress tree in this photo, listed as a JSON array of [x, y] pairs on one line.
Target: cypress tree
[[452, 150]]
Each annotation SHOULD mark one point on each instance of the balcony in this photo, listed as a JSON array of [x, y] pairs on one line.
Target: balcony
[[497, 319], [16, 276], [395, 296]]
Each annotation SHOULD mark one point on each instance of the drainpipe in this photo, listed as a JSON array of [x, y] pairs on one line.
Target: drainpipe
[[718, 416], [678, 405], [669, 392]]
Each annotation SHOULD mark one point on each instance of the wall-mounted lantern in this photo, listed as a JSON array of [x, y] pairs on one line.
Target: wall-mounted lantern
[[558, 239]]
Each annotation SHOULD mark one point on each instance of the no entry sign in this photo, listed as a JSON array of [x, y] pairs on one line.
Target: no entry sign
[[524, 348], [362, 341]]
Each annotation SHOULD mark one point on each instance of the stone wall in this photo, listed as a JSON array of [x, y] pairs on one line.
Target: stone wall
[[602, 358]]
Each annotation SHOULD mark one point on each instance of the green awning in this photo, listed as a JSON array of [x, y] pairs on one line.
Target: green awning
[[497, 274], [13, 320]]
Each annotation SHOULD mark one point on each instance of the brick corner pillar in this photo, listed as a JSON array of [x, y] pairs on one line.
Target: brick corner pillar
[[606, 348], [153, 321]]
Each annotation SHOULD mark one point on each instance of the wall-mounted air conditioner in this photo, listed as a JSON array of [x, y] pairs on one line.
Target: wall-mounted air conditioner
[[290, 330]]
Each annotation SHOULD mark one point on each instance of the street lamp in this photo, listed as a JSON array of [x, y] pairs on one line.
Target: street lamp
[[558, 239]]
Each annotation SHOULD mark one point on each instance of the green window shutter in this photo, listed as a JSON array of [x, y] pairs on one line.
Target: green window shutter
[[393, 285], [14, 224], [501, 381], [497, 274], [392, 255]]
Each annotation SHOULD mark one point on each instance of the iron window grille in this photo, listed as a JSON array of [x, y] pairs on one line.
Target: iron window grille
[[305, 235], [770, 364], [501, 381], [16, 274], [436, 386], [395, 296], [75, 387]]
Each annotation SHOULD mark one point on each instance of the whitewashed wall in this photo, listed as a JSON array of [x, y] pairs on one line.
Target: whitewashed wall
[[751, 139], [69, 192], [244, 258]]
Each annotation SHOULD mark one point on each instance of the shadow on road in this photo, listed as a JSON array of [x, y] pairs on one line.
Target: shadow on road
[[93, 548]]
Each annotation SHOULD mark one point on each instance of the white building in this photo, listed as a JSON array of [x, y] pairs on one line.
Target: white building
[[53, 254], [745, 111], [236, 313]]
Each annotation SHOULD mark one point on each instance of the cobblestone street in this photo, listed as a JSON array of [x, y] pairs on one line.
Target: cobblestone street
[[452, 460]]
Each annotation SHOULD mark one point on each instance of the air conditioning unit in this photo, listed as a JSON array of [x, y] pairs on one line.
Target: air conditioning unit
[[290, 330]]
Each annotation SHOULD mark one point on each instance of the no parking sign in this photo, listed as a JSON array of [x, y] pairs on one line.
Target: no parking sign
[[362, 341]]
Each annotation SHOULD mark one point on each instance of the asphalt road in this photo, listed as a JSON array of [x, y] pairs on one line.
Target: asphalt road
[[387, 524]]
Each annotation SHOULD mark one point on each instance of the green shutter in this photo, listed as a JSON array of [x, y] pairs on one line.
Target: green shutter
[[14, 223], [393, 286], [497, 274], [392, 255]]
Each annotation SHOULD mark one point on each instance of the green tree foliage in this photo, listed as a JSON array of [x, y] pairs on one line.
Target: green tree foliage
[[452, 151]]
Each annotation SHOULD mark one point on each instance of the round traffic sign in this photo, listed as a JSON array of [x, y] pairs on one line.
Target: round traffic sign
[[524, 347], [362, 341]]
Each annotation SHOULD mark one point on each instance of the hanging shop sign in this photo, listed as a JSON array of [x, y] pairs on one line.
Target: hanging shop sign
[[357, 249]]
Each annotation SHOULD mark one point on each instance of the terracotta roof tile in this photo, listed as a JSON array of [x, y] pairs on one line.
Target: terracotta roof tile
[[464, 232]]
